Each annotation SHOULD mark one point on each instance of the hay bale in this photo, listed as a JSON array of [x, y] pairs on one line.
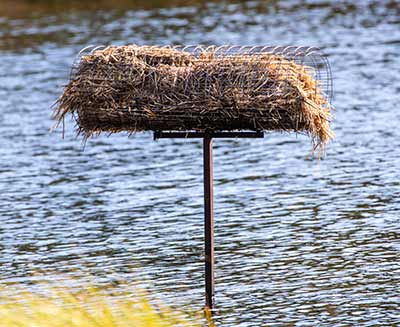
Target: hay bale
[[140, 88]]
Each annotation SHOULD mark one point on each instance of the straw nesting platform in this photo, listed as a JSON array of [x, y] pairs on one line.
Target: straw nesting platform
[[174, 88]]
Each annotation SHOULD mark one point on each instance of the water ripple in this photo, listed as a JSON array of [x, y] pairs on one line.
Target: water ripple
[[298, 242]]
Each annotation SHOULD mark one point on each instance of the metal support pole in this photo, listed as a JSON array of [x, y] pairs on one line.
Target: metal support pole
[[208, 220], [208, 194]]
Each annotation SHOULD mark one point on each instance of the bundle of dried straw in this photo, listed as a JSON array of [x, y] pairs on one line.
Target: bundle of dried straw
[[138, 88]]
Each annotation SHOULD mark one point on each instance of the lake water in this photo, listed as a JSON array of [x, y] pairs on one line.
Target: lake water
[[298, 242]]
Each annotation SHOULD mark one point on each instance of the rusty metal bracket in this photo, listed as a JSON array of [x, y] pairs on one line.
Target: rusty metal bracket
[[216, 135]]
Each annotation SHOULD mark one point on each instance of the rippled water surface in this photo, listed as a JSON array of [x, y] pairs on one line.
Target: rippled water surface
[[298, 242]]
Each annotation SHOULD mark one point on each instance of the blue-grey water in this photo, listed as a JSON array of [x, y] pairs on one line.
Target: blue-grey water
[[298, 242]]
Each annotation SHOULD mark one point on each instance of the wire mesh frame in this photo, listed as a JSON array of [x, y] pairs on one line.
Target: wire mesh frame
[[311, 58]]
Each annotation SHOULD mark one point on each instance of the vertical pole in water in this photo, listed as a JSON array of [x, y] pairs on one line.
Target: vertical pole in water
[[208, 220]]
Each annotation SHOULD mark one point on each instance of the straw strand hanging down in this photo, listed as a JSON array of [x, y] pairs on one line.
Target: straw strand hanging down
[[138, 88]]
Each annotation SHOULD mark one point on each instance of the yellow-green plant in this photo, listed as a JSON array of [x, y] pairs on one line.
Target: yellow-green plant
[[87, 307]]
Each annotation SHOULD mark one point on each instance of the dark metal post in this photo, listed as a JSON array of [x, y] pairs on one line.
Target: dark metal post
[[208, 194], [208, 220]]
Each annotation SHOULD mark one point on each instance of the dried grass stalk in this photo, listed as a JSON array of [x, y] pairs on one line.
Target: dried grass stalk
[[139, 88]]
